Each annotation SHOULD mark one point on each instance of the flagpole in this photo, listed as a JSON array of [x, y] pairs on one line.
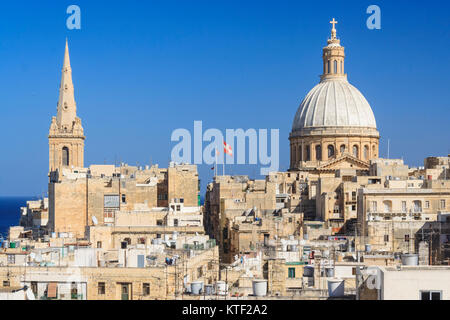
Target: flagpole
[[215, 166]]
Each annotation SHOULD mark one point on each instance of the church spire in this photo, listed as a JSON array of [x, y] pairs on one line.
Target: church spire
[[333, 57], [67, 109], [66, 137]]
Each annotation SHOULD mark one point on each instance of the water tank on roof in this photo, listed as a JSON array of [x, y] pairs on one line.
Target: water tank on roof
[[259, 287], [221, 287], [329, 271], [209, 289], [410, 259], [336, 288], [197, 287], [308, 271]]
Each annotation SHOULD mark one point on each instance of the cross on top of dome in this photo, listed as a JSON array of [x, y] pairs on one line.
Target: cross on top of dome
[[333, 30]]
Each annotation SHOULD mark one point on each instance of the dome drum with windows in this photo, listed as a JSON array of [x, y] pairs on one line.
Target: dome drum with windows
[[334, 119]]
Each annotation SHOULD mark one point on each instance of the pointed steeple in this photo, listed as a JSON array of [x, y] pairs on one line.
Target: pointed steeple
[[66, 136], [67, 109]]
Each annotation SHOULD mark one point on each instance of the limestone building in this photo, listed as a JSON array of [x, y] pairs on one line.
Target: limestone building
[[334, 123], [66, 137]]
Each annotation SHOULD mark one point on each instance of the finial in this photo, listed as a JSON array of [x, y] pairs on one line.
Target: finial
[[333, 30]]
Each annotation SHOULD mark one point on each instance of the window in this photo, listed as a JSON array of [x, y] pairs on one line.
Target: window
[[99, 244], [329, 66], [293, 154], [34, 287], [318, 152], [335, 66], [308, 153], [387, 206], [353, 195], [330, 151], [417, 206], [74, 291], [159, 222], [342, 148], [175, 222], [374, 206], [406, 237], [386, 238], [199, 272], [146, 289], [442, 204], [101, 288], [430, 295], [427, 204], [6, 283], [65, 156], [366, 152], [291, 273], [403, 206], [355, 151], [124, 198], [125, 291], [11, 259]]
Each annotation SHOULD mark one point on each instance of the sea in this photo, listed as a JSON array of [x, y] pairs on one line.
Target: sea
[[10, 212]]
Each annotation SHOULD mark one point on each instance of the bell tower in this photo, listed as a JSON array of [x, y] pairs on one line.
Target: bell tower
[[66, 137]]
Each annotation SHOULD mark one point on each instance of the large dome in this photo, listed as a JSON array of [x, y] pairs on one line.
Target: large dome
[[334, 103]]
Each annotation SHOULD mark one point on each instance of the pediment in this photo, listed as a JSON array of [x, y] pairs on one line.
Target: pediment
[[345, 161]]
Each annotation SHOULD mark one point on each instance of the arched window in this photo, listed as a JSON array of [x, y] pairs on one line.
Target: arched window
[[300, 155], [308, 153], [355, 151], [329, 67], [294, 154], [65, 156], [342, 67], [318, 152], [366, 152], [342, 148], [374, 154], [330, 151], [335, 66]]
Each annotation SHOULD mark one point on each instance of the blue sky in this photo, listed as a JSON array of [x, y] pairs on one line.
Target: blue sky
[[144, 68]]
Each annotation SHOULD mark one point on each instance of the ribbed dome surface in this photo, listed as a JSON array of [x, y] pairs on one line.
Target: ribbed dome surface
[[334, 103]]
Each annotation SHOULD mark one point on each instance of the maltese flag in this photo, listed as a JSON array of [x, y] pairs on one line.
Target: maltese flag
[[227, 149]]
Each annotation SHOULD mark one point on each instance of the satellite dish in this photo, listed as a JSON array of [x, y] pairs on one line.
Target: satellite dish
[[94, 220]]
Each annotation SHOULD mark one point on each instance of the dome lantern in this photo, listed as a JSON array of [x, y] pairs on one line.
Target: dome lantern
[[333, 57]]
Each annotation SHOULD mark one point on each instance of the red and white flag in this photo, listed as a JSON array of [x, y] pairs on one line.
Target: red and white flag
[[227, 149]]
